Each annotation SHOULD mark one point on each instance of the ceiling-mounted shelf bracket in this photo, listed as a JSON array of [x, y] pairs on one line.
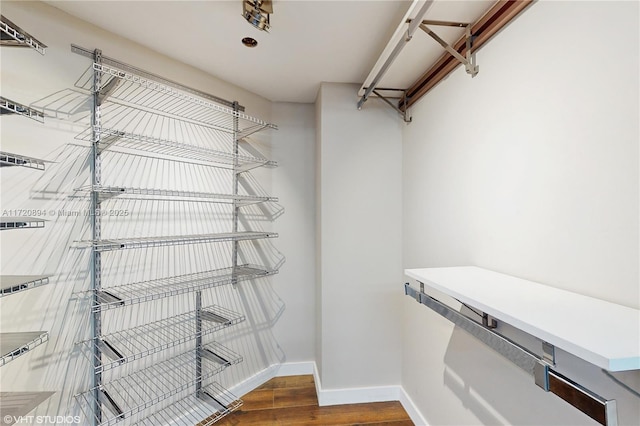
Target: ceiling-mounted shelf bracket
[[404, 113], [405, 36], [469, 60]]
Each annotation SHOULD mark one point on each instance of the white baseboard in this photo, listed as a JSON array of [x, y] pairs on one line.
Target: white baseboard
[[333, 396], [411, 409], [255, 381], [296, 368]]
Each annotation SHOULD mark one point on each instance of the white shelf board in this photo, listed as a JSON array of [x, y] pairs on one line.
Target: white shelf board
[[603, 333]]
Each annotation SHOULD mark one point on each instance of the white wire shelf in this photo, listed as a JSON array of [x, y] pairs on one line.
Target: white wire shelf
[[139, 342], [145, 291], [20, 222], [106, 193], [11, 107], [144, 242], [14, 405], [111, 137], [126, 397], [14, 36], [143, 92], [13, 345], [7, 159], [197, 410], [12, 284]]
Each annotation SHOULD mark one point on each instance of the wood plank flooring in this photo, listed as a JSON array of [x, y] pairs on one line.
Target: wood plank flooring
[[292, 400]]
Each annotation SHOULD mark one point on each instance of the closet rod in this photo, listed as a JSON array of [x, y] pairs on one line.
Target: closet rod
[[598, 408]]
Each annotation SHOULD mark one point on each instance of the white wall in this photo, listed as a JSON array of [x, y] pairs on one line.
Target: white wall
[[294, 184], [359, 211], [58, 365], [530, 169]]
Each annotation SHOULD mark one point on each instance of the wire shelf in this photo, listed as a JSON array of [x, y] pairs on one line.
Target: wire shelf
[[139, 342], [8, 159], [106, 193], [125, 397], [12, 284], [144, 242], [147, 93], [145, 291], [10, 107], [198, 411], [13, 35], [20, 222], [111, 137], [13, 345]]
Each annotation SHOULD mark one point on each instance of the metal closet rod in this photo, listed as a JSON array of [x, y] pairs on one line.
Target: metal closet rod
[[413, 26], [128, 68], [593, 405], [496, 18]]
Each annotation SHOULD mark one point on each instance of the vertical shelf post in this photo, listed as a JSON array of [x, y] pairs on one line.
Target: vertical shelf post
[[95, 236], [199, 392], [236, 206]]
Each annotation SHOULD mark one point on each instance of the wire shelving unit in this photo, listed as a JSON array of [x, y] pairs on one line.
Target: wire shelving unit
[[145, 242], [130, 395], [146, 291], [16, 344], [139, 342], [192, 410], [107, 192], [139, 114]]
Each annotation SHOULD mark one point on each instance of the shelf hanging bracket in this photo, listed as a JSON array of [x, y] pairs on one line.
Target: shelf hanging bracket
[[469, 60], [404, 113]]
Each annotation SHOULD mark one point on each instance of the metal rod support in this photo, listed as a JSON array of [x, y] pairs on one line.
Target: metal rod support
[[402, 113], [413, 26]]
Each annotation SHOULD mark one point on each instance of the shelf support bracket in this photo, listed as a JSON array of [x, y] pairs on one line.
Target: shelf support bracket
[[404, 113], [211, 400], [469, 60], [106, 400], [549, 353]]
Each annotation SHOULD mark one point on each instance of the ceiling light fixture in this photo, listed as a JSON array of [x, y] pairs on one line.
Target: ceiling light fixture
[[256, 12], [250, 42]]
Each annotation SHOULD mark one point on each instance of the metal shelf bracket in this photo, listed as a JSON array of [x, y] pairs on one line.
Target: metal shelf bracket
[[8, 106], [404, 113], [469, 60], [13, 35]]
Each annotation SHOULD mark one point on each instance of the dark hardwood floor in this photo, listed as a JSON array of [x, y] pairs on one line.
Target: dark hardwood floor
[[292, 400]]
